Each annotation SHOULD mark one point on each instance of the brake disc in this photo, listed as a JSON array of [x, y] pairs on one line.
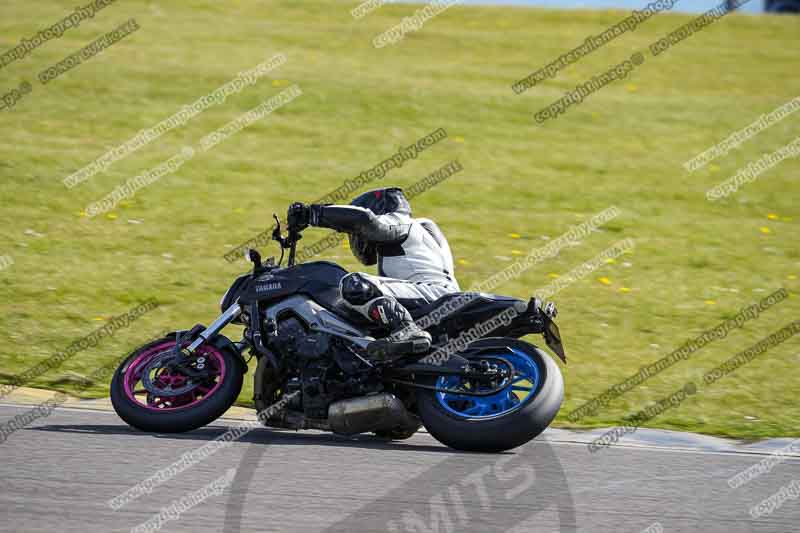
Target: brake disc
[[164, 385]]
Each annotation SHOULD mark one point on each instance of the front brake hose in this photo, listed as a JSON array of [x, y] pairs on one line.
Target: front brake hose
[[255, 328]]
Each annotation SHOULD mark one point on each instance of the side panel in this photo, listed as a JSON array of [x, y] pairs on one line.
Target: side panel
[[317, 318], [318, 279], [312, 313]]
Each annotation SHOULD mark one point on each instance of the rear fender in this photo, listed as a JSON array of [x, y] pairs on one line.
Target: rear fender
[[488, 343], [534, 320]]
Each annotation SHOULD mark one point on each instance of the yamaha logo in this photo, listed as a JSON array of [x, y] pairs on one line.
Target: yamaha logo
[[269, 287]]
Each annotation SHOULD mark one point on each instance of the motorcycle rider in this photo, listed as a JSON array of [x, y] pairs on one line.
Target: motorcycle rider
[[415, 264]]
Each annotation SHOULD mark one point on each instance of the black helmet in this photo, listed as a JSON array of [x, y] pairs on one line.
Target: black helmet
[[383, 201], [380, 202]]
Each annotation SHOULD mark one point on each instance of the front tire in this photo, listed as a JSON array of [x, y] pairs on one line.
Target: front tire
[[202, 403], [472, 427]]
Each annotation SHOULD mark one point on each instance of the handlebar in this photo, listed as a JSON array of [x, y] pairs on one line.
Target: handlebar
[[289, 242]]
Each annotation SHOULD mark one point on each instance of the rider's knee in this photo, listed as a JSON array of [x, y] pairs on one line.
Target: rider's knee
[[358, 290]]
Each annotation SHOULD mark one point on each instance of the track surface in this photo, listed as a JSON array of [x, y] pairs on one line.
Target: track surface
[[59, 472]]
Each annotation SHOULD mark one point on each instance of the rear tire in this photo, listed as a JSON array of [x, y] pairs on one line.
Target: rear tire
[[505, 431], [182, 419]]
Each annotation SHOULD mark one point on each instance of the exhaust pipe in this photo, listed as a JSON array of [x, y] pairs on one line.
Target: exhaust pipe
[[377, 412]]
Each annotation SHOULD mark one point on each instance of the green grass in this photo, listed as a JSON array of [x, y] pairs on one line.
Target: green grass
[[695, 263]]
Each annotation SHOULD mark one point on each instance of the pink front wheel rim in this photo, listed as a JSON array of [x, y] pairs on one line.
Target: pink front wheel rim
[[141, 398]]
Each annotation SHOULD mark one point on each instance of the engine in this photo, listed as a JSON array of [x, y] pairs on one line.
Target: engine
[[322, 368], [338, 391], [296, 342]]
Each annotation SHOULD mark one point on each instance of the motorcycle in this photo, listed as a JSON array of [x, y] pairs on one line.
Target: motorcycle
[[495, 393]]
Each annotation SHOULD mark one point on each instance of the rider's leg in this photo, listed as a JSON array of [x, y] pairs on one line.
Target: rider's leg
[[373, 299]]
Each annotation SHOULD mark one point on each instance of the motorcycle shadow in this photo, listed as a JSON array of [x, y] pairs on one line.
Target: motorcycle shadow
[[271, 436]]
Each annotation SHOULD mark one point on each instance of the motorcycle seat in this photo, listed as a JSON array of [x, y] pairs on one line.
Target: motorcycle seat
[[418, 311]]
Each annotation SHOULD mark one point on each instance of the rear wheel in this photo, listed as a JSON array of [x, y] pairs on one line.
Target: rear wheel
[[150, 392], [504, 420]]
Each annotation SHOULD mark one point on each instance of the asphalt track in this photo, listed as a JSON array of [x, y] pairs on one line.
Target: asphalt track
[[59, 473]]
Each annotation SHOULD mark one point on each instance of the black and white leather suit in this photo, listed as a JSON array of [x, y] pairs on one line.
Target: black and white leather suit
[[415, 265], [413, 256]]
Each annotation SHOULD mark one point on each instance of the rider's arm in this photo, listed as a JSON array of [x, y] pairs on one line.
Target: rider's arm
[[352, 219]]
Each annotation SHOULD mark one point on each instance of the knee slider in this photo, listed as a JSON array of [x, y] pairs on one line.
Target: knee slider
[[358, 290]]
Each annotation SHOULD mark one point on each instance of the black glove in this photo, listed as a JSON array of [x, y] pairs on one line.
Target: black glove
[[298, 216]]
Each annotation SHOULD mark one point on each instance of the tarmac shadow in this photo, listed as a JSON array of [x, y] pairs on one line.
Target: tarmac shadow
[[273, 437]]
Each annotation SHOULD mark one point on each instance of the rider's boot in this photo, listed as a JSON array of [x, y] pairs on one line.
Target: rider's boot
[[364, 295], [405, 337]]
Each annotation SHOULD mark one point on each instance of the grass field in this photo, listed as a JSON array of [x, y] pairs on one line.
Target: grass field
[[695, 262]]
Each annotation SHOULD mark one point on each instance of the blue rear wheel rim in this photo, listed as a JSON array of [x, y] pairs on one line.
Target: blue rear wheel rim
[[522, 389]]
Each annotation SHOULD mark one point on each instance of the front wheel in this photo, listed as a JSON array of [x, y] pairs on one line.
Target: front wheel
[[501, 421], [150, 392]]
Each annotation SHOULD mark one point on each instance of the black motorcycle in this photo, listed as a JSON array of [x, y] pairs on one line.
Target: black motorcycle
[[313, 372]]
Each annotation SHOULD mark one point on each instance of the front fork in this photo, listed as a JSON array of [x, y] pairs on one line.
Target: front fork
[[223, 320]]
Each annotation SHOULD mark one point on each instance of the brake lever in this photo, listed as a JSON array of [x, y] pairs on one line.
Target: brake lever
[[276, 233]]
